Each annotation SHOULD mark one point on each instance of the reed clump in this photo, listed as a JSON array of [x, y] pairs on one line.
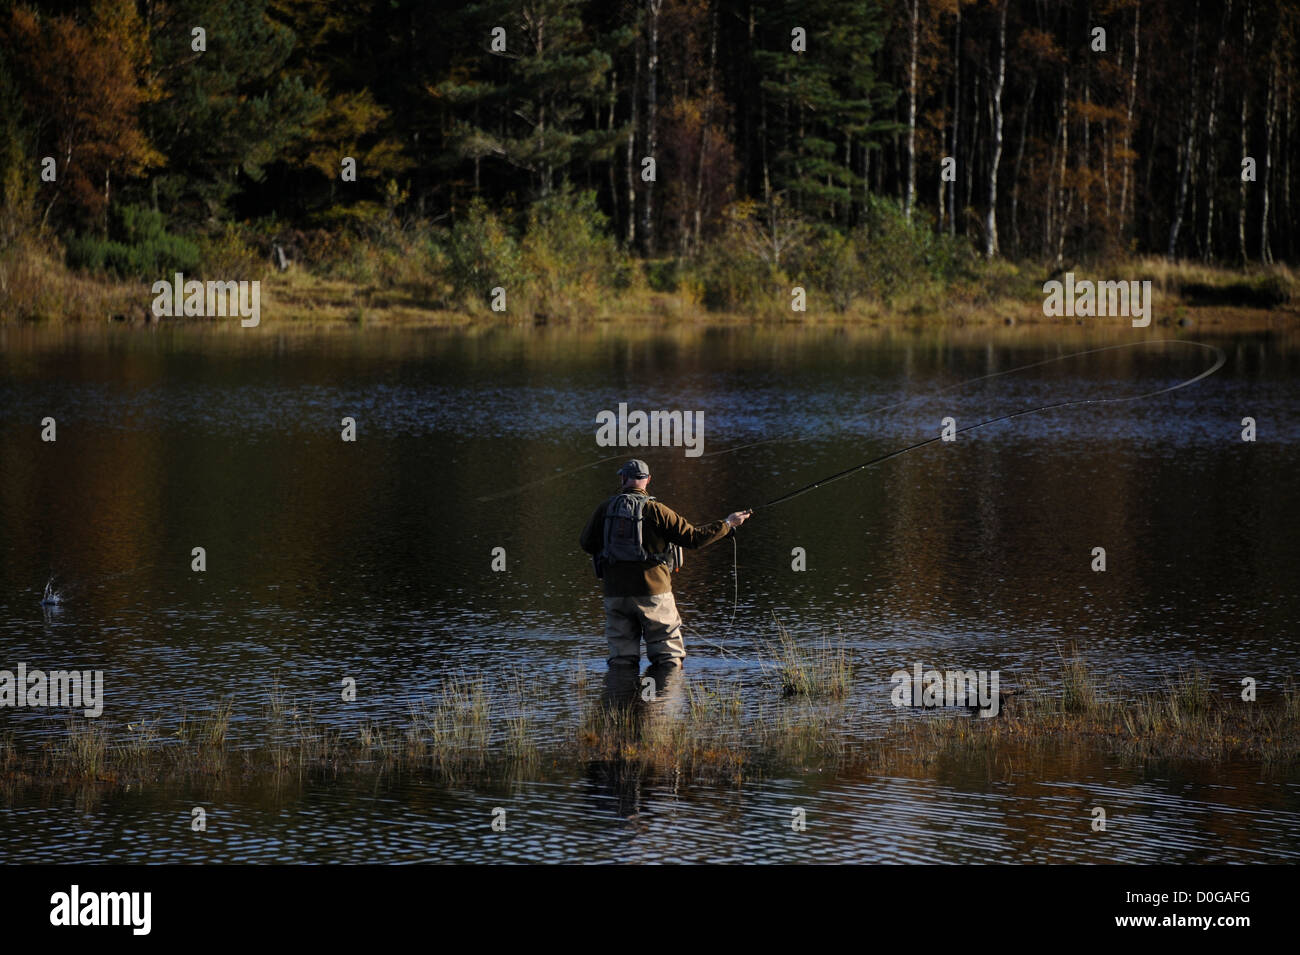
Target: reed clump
[[84, 749], [8, 753], [1073, 708], [696, 736], [817, 671], [708, 734]]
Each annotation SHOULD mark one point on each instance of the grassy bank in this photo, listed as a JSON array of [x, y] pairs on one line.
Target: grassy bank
[[37, 289], [1009, 295], [560, 266], [714, 732]]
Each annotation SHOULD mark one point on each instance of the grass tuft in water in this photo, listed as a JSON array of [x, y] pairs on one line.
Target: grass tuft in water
[[819, 671], [474, 729]]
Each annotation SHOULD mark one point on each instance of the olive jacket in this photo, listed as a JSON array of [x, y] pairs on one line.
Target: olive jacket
[[662, 526]]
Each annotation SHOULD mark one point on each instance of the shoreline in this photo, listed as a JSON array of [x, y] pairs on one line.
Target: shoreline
[[38, 290], [1008, 317]]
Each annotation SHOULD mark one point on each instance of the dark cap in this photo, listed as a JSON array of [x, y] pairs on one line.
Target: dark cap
[[636, 468]]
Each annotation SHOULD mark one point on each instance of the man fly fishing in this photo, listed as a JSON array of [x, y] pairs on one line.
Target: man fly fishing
[[636, 543]]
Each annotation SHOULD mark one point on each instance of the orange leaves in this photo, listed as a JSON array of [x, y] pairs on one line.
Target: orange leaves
[[83, 85]]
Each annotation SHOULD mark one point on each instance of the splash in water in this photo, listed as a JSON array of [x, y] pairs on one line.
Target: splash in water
[[51, 598]]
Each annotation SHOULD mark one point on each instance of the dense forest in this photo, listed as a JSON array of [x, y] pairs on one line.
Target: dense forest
[[137, 134]]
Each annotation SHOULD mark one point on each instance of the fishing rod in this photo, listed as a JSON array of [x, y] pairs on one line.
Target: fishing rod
[[954, 387], [791, 434], [1220, 359]]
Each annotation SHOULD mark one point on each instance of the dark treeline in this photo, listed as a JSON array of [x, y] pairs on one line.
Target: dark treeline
[[1082, 128]]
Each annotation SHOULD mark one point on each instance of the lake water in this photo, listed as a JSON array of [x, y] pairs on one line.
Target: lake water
[[373, 560]]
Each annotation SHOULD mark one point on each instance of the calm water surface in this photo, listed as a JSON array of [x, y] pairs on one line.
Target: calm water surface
[[373, 560]]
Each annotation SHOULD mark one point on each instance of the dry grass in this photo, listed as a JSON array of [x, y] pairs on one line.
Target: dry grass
[[473, 731], [85, 748], [1270, 286], [818, 671], [36, 286], [1074, 710]]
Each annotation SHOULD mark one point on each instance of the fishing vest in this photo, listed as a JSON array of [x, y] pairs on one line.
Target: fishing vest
[[624, 540]]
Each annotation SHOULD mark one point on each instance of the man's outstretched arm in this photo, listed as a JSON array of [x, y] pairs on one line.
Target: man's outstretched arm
[[678, 530]]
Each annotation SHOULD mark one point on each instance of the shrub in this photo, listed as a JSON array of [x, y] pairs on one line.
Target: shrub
[[831, 268], [229, 255], [743, 268], [138, 247], [482, 254], [568, 253], [899, 255], [663, 275], [732, 279], [1275, 288]]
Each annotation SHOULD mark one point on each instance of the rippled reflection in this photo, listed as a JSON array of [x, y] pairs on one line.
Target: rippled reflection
[[372, 560]]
